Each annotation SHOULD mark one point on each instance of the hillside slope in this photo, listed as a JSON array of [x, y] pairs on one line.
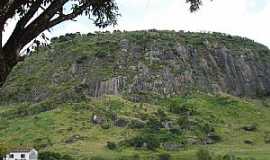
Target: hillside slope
[[179, 126], [140, 95], [141, 64]]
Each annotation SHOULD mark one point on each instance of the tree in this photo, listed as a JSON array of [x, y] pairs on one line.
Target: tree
[[37, 16]]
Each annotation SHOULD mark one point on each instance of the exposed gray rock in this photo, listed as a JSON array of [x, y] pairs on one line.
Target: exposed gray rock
[[96, 119], [167, 124], [121, 122], [136, 124], [112, 86], [138, 68], [74, 139], [250, 128], [124, 45]]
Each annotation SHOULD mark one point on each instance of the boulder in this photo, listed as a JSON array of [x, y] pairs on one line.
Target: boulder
[[96, 119], [248, 141], [250, 127], [74, 138], [136, 124], [167, 124], [121, 122]]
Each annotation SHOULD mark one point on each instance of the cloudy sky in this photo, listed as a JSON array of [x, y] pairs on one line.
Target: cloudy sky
[[248, 18]]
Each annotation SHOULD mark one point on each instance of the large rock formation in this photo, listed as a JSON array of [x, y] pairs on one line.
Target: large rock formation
[[139, 64]]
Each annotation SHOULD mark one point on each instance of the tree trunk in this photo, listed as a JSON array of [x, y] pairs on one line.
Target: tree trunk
[[6, 66], [4, 70], [8, 59], [2, 61]]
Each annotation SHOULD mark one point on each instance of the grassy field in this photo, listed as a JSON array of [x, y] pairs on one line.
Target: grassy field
[[67, 128]]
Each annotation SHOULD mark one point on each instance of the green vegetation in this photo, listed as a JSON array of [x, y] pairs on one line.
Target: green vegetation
[[68, 129], [48, 101], [53, 156], [3, 150]]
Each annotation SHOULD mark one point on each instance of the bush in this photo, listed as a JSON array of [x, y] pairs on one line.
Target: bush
[[207, 128], [101, 54], [162, 115], [105, 125], [183, 121], [136, 142], [164, 156], [111, 145], [97, 158], [53, 156], [230, 157], [152, 142], [184, 109], [267, 138], [136, 157], [149, 141], [154, 124], [203, 154]]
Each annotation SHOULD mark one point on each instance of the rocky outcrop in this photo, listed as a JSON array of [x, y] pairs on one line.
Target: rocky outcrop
[[97, 88], [139, 67]]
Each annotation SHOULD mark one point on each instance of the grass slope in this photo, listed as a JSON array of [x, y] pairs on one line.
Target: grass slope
[[67, 128]]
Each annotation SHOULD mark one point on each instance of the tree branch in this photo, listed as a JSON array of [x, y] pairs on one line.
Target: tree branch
[[40, 23]]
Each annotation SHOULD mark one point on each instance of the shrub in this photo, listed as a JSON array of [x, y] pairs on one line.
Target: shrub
[[183, 121], [101, 54], [136, 157], [230, 157], [152, 142], [97, 158], [207, 128], [154, 124], [40, 143], [136, 142], [53, 156], [164, 156], [177, 108], [67, 157], [62, 38], [267, 138], [203, 154], [105, 125], [162, 115], [111, 145], [149, 141]]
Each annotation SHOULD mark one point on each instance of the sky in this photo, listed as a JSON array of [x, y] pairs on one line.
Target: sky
[[247, 18]]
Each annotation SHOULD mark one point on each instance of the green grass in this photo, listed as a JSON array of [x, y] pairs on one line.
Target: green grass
[[52, 128]]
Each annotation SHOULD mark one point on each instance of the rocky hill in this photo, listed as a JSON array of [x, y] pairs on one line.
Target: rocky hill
[[168, 92], [139, 63]]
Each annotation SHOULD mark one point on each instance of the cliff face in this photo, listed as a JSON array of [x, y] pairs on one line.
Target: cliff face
[[141, 64]]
